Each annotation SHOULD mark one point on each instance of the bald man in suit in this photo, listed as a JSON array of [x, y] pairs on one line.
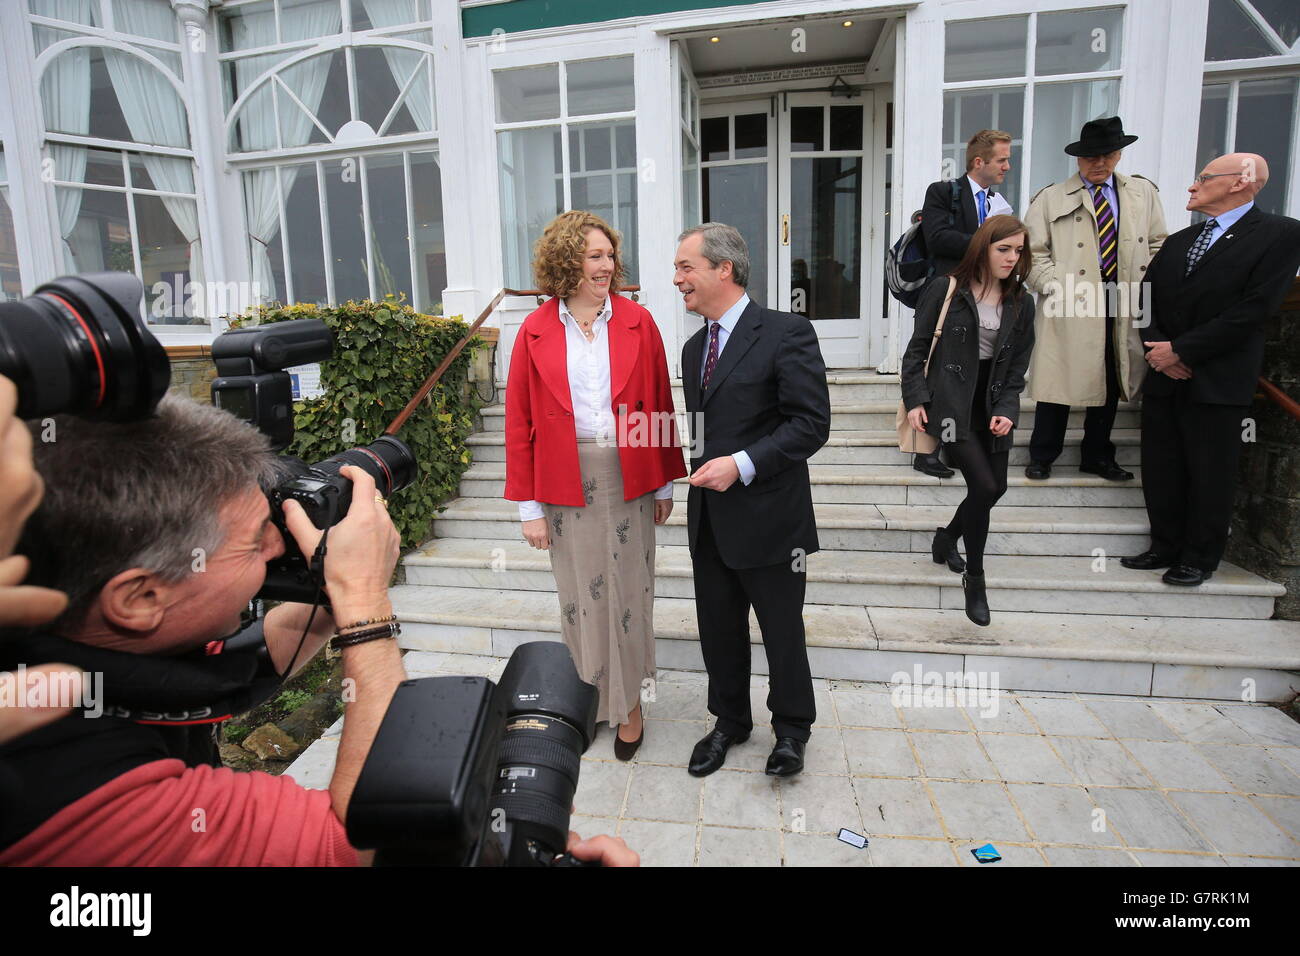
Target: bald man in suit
[[1213, 286]]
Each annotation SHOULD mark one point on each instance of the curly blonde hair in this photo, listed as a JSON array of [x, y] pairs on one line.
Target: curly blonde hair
[[558, 253]]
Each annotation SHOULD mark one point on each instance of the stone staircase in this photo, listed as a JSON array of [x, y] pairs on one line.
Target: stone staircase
[[1066, 615]]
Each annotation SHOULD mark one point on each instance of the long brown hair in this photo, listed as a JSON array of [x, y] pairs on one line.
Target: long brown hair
[[559, 251], [974, 266]]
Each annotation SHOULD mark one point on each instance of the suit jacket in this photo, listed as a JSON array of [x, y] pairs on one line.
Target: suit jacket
[[1215, 317], [541, 437], [768, 397], [946, 238]]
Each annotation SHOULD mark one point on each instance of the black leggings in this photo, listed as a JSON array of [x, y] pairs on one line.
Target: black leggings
[[985, 472]]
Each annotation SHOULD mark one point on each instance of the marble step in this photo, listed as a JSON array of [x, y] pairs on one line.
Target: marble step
[[1203, 658], [1053, 584], [878, 448], [887, 484], [843, 387], [1056, 531], [871, 415]]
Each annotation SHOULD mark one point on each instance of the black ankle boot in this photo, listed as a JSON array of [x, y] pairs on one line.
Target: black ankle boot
[[945, 549], [977, 601]]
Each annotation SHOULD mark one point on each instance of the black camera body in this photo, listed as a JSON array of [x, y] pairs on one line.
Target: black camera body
[[252, 384], [465, 773]]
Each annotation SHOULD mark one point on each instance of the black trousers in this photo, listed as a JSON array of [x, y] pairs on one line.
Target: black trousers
[[984, 471], [1051, 420], [723, 597], [1190, 452]]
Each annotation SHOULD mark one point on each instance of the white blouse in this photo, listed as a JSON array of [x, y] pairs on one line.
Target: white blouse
[[589, 389]]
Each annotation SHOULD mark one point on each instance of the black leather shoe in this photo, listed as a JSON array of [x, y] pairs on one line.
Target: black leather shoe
[[786, 758], [1038, 470], [932, 466], [1186, 576], [1108, 470], [977, 601], [1146, 561], [710, 752], [945, 549], [624, 749]]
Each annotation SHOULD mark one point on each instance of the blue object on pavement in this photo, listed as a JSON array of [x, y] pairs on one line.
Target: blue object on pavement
[[986, 853]]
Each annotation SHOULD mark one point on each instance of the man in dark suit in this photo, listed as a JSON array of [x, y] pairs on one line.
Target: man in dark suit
[[1212, 287], [948, 222], [759, 407]]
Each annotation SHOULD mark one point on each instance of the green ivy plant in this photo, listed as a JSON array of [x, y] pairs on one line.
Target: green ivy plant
[[383, 352]]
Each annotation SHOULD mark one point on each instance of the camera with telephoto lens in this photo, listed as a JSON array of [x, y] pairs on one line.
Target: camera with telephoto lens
[[252, 384], [465, 773], [79, 345]]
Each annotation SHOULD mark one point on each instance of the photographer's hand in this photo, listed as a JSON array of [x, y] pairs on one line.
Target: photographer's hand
[[610, 851], [361, 552]]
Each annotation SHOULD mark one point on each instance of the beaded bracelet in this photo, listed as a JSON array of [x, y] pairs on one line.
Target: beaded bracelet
[[392, 629], [378, 620]]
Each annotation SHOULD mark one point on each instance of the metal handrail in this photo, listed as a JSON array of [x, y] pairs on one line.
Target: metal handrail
[[432, 380], [1280, 398]]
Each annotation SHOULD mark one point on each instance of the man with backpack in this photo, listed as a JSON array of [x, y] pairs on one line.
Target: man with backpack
[[953, 210]]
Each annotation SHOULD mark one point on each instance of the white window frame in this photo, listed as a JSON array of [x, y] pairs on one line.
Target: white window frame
[[576, 53], [1029, 81]]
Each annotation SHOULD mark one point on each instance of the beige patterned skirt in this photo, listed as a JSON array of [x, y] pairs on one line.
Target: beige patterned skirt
[[603, 559]]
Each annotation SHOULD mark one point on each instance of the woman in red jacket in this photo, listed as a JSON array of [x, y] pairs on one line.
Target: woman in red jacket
[[591, 454]]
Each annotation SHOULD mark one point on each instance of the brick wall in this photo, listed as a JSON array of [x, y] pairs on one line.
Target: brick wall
[[192, 372], [1266, 518]]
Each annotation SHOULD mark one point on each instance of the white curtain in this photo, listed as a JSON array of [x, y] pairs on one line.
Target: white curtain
[[155, 114], [419, 100], [65, 100], [258, 129]]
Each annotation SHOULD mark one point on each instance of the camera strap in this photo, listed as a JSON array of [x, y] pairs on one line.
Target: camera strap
[[202, 687]]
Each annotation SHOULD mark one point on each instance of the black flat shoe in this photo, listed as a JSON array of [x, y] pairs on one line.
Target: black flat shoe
[[786, 758], [711, 751], [1184, 575], [977, 601], [944, 549], [624, 749], [932, 466], [1108, 470], [1038, 471], [1146, 561]]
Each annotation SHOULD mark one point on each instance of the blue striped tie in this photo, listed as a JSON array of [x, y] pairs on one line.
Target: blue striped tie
[[1107, 238]]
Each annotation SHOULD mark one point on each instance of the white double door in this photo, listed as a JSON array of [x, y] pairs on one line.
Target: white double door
[[791, 172]]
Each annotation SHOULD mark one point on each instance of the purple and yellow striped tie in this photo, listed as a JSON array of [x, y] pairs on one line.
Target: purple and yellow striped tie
[[1107, 237]]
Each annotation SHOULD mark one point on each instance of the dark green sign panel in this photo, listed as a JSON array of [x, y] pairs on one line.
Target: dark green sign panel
[[521, 15]]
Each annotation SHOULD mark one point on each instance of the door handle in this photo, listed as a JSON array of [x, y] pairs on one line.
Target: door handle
[[785, 229]]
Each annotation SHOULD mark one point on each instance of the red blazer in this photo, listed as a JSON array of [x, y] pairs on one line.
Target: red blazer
[[541, 438]]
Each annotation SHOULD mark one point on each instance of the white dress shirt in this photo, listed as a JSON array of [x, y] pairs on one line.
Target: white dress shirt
[[997, 206], [725, 324], [589, 389]]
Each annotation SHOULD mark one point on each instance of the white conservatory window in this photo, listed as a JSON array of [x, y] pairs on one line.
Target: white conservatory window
[[331, 119], [1250, 93], [11, 283], [1039, 77], [566, 139], [117, 145]]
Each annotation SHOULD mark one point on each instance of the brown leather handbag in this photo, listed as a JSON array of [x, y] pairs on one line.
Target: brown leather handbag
[[909, 439]]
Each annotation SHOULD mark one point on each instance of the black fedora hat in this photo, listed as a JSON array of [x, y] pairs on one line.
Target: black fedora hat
[[1099, 137]]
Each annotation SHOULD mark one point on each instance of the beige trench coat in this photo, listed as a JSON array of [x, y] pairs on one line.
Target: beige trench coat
[[1070, 333]]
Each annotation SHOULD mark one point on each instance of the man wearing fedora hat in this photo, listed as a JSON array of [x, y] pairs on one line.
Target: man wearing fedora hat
[[1092, 238]]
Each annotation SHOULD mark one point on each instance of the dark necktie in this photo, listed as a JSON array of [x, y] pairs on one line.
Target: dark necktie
[[712, 359], [1107, 238], [1200, 245]]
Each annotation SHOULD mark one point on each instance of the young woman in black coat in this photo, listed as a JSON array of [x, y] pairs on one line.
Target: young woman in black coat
[[970, 399]]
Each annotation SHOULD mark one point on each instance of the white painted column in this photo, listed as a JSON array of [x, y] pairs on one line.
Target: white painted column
[[918, 136], [31, 199], [659, 184], [220, 203], [458, 97]]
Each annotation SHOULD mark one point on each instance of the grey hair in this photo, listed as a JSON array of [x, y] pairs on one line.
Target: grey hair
[[145, 494], [723, 243]]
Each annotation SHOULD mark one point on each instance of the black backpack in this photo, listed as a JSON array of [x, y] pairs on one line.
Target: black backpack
[[908, 266]]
